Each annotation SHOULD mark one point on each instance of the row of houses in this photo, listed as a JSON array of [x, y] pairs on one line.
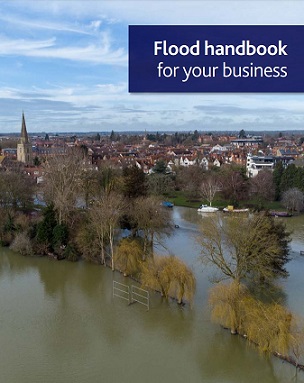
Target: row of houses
[[251, 152]]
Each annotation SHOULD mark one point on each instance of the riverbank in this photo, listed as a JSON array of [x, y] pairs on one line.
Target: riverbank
[[179, 198]]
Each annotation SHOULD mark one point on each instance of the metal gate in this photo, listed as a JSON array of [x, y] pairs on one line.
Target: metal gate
[[122, 291], [136, 294], [140, 295]]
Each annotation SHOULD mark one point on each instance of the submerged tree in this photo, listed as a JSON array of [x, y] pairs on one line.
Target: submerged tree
[[267, 325], [170, 276], [246, 248], [226, 304], [103, 219], [128, 256], [151, 220], [272, 327], [22, 244]]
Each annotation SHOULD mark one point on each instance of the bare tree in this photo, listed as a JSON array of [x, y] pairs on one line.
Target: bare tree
[[189, 179], [16, 189], [209, 187], [293, 199], [152, 220], [62, 183], [22, 244], [159, 184], [234, 184], [104, 217], [262, 185]]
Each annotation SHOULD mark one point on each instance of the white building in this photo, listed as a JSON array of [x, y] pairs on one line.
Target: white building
[[255, 164]]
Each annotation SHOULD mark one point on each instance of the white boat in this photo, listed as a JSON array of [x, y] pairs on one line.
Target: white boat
[[207, 209], [229, 210]]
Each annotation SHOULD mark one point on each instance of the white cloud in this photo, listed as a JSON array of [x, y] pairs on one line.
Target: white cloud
[[101, 53], [44, 24], [95, 24], [23, 47], [83, 97]]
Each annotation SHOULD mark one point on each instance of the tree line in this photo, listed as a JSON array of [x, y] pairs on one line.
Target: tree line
[[229, 184], [106, 216]]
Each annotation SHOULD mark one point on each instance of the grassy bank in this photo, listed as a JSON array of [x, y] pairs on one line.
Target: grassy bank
[[179, 198]]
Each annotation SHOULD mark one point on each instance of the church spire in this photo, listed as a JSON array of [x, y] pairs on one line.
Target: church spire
[[24, 148], [24, 136]]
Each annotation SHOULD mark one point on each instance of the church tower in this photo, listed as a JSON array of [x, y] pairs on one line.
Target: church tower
[[24, 148]]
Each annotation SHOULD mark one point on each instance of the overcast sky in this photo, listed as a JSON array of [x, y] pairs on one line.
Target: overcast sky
[[65, 64]]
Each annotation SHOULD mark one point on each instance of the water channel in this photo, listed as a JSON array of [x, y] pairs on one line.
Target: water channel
[[59, 323]]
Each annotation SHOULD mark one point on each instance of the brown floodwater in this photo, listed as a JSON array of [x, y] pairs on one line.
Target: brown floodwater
[[60, 323]]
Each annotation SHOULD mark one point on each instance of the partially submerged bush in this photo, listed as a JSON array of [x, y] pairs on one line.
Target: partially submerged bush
[[22, 244]]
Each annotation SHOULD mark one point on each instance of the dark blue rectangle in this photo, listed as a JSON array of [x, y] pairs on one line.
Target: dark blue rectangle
[[234, 58]]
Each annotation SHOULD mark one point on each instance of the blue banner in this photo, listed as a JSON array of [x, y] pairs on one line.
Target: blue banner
[[216, 58]]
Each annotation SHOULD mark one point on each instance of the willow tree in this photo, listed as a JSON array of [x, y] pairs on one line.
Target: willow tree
[[169, 275], [182, 280], [242, 250], [226, 304], [270, 326], [128, 256]]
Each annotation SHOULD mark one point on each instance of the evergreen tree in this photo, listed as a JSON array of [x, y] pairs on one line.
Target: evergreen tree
[[195, 135], [299, 179], [60, 236], [277, 176], [46, 226], [112, 136], [37, 162], [160, 167], [288, 179], [134, 182], [242, 134]]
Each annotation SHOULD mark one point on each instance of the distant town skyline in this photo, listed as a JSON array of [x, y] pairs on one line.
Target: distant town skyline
[[65, 64]]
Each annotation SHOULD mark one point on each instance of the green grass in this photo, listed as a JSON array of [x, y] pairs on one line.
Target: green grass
[[179, 198]]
